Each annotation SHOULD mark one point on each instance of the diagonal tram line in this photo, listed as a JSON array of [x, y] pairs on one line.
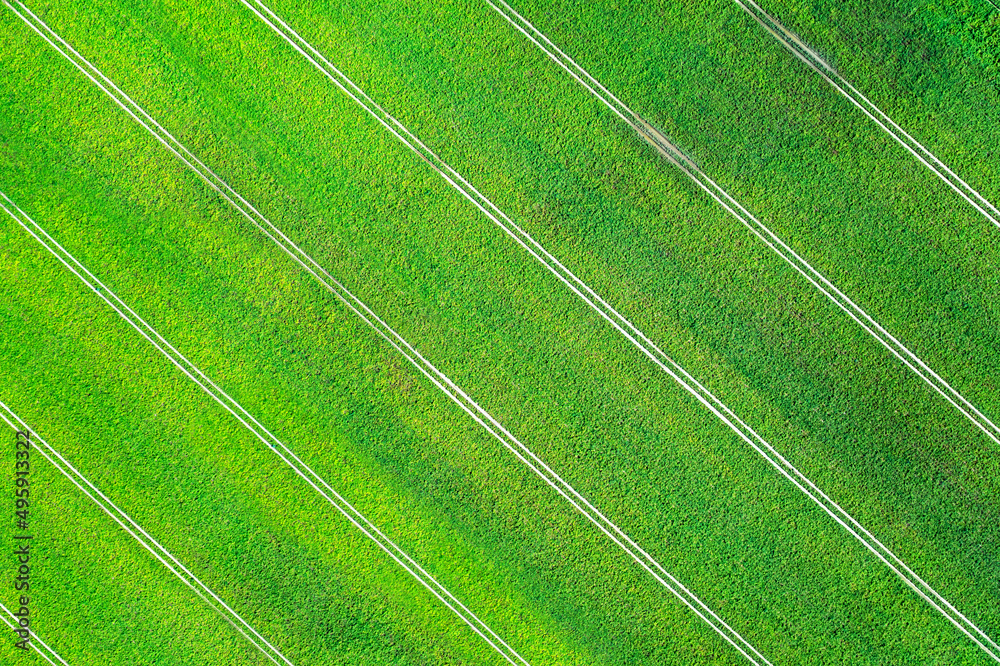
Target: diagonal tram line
[[47, 654], [273, 443], [814, 61], [814, 277], [650, 134], [619, 322], [483, 418], [695, 388], [677, 157], [133, 529]]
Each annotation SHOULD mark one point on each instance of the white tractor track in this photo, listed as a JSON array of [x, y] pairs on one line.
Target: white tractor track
[[484, 419], [626, 328], [814, 61], [690, 169], [47, 654], [136, 531], [265, 436]]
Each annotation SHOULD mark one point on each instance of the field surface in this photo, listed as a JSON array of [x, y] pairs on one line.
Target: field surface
[[479, 307]]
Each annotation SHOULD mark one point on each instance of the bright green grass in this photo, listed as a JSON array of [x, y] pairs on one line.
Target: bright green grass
[[807, 369], [501, 327], [820, 174], [203, 486], [541, 568], [934, 67], [97, 596], [242, 521]]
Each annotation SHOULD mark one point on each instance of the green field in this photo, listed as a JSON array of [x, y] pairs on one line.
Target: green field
[[847, 413]]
